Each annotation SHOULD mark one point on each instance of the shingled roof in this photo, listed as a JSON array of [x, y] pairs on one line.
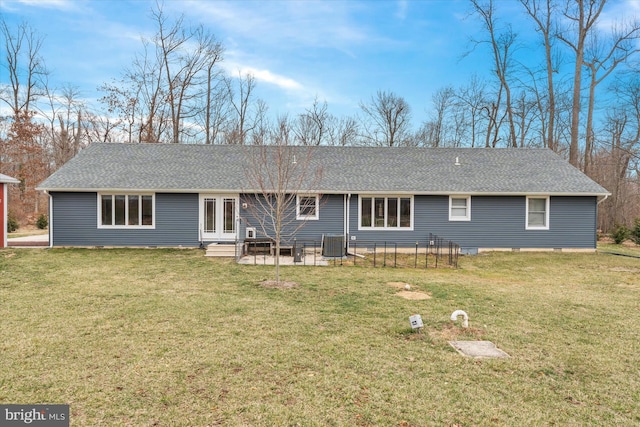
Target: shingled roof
[[221, 168], [5, 179]]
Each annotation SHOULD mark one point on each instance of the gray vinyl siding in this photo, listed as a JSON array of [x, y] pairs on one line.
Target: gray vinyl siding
[[330, 221], [496, 222], [75, 222]]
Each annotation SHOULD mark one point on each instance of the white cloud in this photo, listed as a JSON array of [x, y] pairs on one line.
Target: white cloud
[[44, 4], [288, 24], [263, 75], [275, 79]]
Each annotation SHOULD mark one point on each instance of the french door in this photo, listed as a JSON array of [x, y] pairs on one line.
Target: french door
[[218, 217]]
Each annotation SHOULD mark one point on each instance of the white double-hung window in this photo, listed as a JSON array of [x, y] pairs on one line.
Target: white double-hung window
[[307, 207], [537, 213], [459, 208]]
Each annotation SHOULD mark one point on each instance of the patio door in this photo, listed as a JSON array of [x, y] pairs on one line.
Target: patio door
[[218, 217]]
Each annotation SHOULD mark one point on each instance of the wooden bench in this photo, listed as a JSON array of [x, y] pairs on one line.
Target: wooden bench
[[263, 245]]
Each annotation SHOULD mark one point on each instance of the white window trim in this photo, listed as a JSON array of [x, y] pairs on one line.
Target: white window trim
[[385, 196], [307, 217], [546, 213], [126, 227], [467, 217]]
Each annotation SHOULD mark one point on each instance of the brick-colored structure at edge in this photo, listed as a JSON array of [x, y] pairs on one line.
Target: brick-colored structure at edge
[[4, 209]]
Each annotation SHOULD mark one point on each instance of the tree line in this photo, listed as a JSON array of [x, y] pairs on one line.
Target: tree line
[[578, 95]]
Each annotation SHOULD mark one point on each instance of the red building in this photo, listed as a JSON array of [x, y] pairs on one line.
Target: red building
[[4, 182]]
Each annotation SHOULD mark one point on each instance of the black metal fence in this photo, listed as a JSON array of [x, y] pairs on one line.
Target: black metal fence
[[433, 252]]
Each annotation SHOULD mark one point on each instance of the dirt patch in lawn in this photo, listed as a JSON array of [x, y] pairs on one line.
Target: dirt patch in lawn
[[451, 332], [413, 295], [279, 285], [406, 291]]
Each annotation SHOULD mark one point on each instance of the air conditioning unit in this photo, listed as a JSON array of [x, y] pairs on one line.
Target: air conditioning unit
[[333, 245], [250, 233]]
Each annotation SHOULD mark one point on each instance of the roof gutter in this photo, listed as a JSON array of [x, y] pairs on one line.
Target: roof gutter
[[369, 193]]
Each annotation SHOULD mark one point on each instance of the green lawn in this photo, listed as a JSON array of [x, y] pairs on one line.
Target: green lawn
[[171, 338]]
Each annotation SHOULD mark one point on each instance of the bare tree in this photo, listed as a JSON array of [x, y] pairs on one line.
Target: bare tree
[[311, 127], [502, 45], [494, 119], [614, 165], [122, 104], [581, 16], [66, 129], [542, 13], [442, 101], [472, 98], [100, 128], [277, 174], [601, 59], [261, 127], [215, 110], [138, 98], [24, 67], [523, 112], [342, 131], [182, 66], [168, 92], [387, 120], [240, 91]]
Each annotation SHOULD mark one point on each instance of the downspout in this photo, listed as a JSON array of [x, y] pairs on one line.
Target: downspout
[[347, 198], [606, 196], [4, 212], [50, 218], [347, 229]]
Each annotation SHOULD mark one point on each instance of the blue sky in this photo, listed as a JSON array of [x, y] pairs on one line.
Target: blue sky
[[340, 51]]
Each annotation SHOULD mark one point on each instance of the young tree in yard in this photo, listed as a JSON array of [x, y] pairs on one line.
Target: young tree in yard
[[283, 177]]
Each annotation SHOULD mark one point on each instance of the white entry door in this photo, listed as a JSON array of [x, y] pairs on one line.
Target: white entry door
[[218, 217]]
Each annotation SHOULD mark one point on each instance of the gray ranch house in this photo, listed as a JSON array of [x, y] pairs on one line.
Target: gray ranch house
[[152, 195]]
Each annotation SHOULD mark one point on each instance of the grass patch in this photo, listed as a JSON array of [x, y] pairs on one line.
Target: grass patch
[[169, 337], [623, 249]]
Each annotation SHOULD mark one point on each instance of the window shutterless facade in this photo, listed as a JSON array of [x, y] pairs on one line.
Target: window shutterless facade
[[126, 210], [307, 207], [459, 208], [385, 212], [537, 213]]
